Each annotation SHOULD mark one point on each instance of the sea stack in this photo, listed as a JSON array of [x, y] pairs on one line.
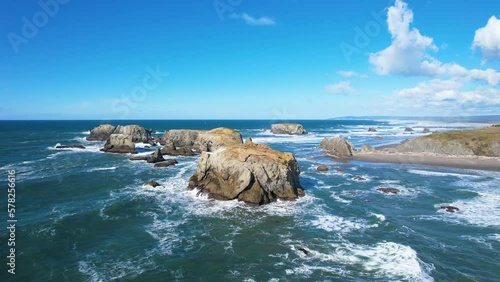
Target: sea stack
[[338, 148], [288, 128], [252, 173], [119, 143]]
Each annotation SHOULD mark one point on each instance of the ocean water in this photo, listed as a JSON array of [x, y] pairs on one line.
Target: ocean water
[[84, 215]]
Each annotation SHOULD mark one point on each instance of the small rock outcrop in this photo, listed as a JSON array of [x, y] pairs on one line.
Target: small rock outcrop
[[139, 134], [253, 173], [408, 129], [322, 168], [119, 143], [210, 141], [152, 183], [426, 130], [70, 147], [371, 129], [338, 148], [166, 164], [449, 208], [101, 133], [367, 149], [389, 190], [288, 128], [156, 157]]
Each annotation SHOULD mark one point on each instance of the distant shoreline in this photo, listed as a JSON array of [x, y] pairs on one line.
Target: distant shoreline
[[472, 162]]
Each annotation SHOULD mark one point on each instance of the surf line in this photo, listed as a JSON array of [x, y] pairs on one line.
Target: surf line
[[11, 221]]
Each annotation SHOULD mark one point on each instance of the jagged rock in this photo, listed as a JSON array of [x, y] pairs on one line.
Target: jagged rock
[[159, 140], [119, 143], [166, 164], [322, 168], [367, 148], [449, 208], [253, 173], [210, 141], [338, 148], [288, 128], [152, 183], [139, 134], [101, 133], [70, 147], [156, 157], [408, 129], [389, 190], [171, 150], [426, 130], [371, 129], [182, 137]]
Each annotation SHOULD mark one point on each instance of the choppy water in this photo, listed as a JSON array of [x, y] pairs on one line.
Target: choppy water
[[84, 215]]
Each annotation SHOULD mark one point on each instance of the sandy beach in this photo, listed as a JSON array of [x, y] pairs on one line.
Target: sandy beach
[[473, 162]]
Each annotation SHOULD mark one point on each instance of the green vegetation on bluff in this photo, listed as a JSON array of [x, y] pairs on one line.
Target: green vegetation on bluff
[[483, 141]]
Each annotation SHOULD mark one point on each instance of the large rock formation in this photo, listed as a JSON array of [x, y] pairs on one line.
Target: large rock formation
[[338, 148], [182, 137], [119, 143], [209, 141], [424, 145], [288, 128], [139, 134], [255, 174], [101, 133]]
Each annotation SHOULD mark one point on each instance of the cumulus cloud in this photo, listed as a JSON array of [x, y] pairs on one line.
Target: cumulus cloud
[[341, 88], [439, 95], [262, 21], [347, 73], [408, 48], [409, 55], [487, 39]]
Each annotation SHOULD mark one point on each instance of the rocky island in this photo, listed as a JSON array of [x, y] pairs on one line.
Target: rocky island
[[288, 128]]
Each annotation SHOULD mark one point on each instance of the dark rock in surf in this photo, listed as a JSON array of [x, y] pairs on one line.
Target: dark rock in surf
[[389, 190], [70, 147]]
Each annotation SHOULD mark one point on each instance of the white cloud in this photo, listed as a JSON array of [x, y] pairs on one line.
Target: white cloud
[[408, 47], [341, 88], [262, 21], [487, 39], [408, 52], [347, 73], [441, 96]]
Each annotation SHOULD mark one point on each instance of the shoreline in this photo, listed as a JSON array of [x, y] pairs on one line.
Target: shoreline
[[465, 162]]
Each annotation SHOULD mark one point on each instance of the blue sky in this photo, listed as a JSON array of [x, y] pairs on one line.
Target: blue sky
[[281, 59]]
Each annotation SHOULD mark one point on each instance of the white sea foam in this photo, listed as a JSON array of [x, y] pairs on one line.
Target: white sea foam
[[332, 223], [380, 217], [102, 169], [383, 260], [437, 173]]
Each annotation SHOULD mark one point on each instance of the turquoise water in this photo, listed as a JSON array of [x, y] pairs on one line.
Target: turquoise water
[[86, 216]]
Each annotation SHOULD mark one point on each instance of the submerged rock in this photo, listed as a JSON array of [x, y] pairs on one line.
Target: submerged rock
[[449, 208], [253, 173], [152, 183], [338, 148], [288, 128], [322, 168], [408, 129], [101, 133], [166, 164], [70, 147], [359, 178], [389, 190], [119, 143], [371, 129], [306, 252]]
